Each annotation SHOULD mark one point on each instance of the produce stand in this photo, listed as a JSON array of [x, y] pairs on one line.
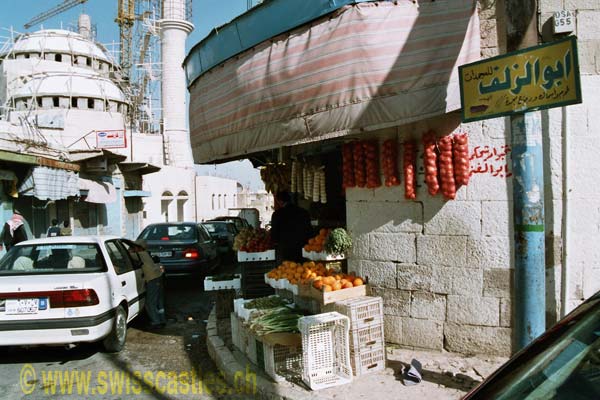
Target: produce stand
[[253, 278], [227, 287]]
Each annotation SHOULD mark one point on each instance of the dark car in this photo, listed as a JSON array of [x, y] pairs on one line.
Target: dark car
[[240, 223], [563, 363], [223, 232], [183, 247]]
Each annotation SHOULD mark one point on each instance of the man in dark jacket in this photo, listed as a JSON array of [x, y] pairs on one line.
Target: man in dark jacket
[[290, 228], [54, 229], [14, 230]]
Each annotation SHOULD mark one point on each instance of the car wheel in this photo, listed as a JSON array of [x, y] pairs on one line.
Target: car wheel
[[115, 341]]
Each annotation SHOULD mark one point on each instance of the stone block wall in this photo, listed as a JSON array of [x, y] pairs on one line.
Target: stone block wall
[[442, 267], [445, 268]]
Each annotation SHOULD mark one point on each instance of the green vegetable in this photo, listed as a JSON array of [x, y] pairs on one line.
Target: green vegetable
[[265, 303], [274, 320], [338, 242]]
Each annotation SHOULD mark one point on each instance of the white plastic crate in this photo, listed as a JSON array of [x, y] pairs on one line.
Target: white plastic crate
[[325, 350], [235, 330], [368, 361], [362, 311], [366, 338], [282, 362], [251, 347], [240, 310], [244, 256], [320, 256], [210, 284], [242, 337], [291, 287]]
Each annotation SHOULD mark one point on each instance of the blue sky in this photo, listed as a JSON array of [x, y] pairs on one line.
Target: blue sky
[[207, 14]]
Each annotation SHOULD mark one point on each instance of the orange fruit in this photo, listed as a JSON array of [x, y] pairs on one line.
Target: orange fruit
[[337, 286], [327, 288], [357, 282], [347, 285]]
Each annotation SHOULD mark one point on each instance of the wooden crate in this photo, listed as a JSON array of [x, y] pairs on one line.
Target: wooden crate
[[338, 295]]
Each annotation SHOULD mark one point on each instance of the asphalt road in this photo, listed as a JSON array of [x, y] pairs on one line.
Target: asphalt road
[[171, 363]]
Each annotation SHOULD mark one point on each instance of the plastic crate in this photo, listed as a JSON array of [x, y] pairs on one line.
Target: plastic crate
[[325, 350], [321, 256], [366, 338], [235, 283], [368, 361], [235, 330], [242, 337], [243, 256], [282, 362], [362, 311], [251, 347]]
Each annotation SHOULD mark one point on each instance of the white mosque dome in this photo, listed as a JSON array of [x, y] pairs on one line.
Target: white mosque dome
[[59, 41], [71, 85]]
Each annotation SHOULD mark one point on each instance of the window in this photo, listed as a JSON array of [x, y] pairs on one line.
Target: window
[[90, 103], [88, 61], [166, 232], [204, 235], [213, 201], [58, 57], [73, 102], [48, 258], [119, 257], [55, 102], [27, 55], [39, 101]]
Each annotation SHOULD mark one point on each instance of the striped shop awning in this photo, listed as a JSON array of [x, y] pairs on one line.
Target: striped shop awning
[[47, 183], [365, 66]]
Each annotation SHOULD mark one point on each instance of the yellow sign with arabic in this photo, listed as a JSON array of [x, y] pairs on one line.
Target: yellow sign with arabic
[[531, 79]]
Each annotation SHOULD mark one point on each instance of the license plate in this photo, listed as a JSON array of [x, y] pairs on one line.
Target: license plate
[[22, 306], [163, 254]]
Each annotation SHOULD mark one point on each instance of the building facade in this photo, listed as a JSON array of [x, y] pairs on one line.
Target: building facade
[[445, 269]]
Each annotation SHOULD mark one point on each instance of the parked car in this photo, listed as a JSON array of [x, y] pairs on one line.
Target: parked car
[[563, 363], [71, 289], [239, 222], [184, 248], [223, 232]]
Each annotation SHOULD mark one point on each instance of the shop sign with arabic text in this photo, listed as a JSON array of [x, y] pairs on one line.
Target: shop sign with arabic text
[[539, 77]]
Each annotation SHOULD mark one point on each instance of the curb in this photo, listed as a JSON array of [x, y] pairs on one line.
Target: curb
[[231, 364]]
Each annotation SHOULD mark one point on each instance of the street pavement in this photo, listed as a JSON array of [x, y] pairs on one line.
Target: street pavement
[[171, 363]]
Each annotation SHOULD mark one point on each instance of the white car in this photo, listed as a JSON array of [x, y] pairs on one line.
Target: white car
[[71, 289]]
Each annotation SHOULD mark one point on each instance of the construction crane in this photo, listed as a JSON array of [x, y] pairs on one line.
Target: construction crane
[[66, 5], [126, 19]]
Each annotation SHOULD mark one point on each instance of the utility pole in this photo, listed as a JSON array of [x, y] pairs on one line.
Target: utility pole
[[529, 301]]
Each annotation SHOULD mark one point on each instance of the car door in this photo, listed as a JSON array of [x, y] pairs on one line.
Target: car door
[[126, 286], [207, 243], [137, 267]]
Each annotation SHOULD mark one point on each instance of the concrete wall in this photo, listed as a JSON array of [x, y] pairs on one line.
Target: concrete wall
[[215, 196], [180, 205], [445, 268]]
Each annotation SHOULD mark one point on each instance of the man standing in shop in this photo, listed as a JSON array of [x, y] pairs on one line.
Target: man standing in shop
[[290, 228]]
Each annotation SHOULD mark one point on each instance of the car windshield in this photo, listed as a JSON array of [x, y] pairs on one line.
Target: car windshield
[[566, 368], [169, 232], [216, 228], [52, 258]]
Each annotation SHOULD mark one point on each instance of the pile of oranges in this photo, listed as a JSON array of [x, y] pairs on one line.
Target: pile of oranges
[[318, 242], [315, 273]]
